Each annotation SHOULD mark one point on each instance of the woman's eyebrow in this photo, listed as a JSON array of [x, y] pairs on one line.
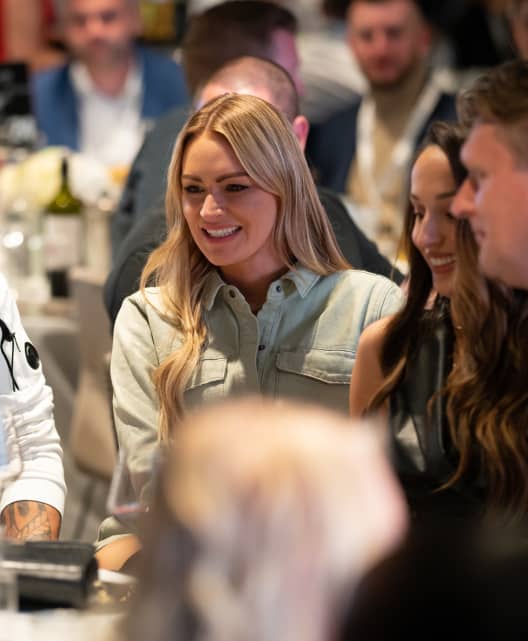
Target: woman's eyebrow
[[446, 194], [235, 174]]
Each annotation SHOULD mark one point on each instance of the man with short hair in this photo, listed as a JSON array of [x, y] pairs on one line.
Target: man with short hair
[[238, 27], [494, 197], [365, 150], [101, 101], [247, 75]]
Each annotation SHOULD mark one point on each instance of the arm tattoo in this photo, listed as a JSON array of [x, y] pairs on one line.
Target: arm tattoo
[[30, 520]]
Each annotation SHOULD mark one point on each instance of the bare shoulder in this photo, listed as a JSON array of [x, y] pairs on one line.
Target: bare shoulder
[[371, 338], [367, 376]]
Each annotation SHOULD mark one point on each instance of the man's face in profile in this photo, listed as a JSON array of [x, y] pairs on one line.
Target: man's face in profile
[[494, 199]]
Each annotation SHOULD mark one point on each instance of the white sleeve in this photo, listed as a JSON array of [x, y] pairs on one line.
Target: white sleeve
[[26, 397]]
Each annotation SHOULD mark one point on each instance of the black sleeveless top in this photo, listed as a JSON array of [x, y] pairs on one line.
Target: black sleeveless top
[[423, 453]]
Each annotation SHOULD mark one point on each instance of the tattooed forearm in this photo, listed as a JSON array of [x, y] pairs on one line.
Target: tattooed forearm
[[30, 520]]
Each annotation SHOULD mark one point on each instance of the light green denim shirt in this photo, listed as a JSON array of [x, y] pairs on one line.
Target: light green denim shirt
[[301, 344]]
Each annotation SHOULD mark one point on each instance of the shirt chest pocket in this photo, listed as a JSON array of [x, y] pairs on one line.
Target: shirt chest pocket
[[319, 376], [207, 382]]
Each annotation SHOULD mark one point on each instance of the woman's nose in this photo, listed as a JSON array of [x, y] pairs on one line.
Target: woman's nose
[[430, 232], [211, 206]]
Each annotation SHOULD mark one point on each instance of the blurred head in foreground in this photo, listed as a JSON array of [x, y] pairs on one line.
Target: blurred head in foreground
[[266, 516]]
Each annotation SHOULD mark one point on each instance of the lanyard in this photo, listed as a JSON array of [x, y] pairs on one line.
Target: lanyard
[[403, 149]]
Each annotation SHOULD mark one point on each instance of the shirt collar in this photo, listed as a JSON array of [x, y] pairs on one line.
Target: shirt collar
[[84, 86], [213, 284], [301, 278]]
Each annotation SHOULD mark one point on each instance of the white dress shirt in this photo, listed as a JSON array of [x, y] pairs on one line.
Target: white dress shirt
[[111, 129]]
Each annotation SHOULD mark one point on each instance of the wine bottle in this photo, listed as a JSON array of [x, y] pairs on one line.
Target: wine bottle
[[63, 220]]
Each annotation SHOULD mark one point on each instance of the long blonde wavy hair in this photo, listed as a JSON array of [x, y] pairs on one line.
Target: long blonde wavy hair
[[266, 147]]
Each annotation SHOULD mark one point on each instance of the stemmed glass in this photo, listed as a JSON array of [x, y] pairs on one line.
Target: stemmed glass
[[122, 501], [10, 468]]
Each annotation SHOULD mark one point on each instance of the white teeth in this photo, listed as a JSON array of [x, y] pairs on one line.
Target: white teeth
[[221, 233], [438, 262]]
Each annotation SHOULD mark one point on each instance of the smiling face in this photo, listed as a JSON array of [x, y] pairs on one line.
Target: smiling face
[[434, 230], [494, 199], [230, 218]]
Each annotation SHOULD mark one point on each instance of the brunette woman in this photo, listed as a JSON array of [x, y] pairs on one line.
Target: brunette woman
[[448, 367]]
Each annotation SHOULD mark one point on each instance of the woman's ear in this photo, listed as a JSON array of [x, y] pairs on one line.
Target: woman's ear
[[301, 128]]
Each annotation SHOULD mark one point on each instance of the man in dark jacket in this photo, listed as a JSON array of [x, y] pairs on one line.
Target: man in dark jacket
[[365, 151]]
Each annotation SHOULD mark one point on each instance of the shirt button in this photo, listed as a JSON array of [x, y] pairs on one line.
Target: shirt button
[[278, 288], [232, 293], [261, 347]]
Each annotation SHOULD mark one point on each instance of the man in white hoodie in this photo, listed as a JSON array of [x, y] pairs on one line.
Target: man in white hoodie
[[32, 503]]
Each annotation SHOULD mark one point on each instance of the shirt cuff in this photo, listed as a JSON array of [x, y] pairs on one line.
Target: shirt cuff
[[34, 490]]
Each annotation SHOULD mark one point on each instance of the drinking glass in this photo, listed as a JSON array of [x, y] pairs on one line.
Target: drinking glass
[[122, 501]]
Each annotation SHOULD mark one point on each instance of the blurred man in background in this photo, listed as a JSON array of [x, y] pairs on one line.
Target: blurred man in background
[[365, 150], [102, 100]]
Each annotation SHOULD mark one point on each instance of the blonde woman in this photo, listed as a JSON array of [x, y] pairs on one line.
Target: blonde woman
[[266, 516], [251, 292]]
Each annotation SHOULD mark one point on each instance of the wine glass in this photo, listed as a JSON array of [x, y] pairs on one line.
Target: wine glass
[[123, 501], [10, 468]]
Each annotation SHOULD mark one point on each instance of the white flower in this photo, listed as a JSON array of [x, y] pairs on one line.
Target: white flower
[[37, 178]]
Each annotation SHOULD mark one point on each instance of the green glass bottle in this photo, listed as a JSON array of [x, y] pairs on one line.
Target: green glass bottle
[[63, 222]]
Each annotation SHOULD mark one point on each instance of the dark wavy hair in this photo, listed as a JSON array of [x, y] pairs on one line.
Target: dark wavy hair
[[487, 388], [405, 328]]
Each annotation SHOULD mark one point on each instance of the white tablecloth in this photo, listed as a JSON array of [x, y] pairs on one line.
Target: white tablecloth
[[58, 625]]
